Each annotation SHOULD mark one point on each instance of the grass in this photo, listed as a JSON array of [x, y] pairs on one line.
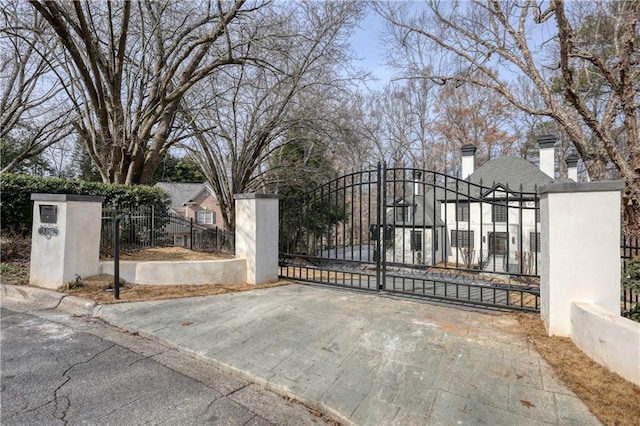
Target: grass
[[13, 274], [611, 398]]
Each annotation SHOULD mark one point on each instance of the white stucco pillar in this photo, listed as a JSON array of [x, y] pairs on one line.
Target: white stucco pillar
[[65, 239], [580, 250], [257, 236]]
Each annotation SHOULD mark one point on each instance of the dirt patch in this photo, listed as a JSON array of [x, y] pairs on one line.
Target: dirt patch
[[612, 399], [100, 289], [168, 254]]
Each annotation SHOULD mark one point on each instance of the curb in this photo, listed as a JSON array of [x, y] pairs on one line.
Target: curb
[[47, 299]]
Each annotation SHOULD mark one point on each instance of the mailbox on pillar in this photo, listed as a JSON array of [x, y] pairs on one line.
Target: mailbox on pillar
[[48, 213]]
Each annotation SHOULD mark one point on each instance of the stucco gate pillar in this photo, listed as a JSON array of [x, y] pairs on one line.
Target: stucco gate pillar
[[580, 250], [257, 236], [65, 238]]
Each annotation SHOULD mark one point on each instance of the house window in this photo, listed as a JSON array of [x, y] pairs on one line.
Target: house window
[[463, 239], [416, 240], [499, 213], [498, 243], [205, 217], [402, 214], [462, 211], [534, 242]]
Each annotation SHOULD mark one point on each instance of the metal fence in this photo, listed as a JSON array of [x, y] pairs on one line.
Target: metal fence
[[146, 226], [416, 232], [629, 249]]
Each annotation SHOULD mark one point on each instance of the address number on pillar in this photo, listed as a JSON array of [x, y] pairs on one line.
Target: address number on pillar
[[48, 231]]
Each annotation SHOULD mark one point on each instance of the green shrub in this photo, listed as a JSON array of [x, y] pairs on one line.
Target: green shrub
[[16, 205], [631, 281]]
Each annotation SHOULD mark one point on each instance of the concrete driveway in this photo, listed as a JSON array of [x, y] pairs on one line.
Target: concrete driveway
[[366, 359]]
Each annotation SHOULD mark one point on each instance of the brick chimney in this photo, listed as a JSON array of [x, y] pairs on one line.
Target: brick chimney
[[547, 155], [572, 166], [468, 160]]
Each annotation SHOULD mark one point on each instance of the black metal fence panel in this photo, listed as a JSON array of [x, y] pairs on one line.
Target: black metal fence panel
[[144, 227], [414, 231], [629, 249]]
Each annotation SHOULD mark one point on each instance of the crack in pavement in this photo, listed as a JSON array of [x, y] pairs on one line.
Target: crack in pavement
[[68, 378], [122, 406]]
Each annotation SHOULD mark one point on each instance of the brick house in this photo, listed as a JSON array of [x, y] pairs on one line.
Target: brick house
[[194, 200]]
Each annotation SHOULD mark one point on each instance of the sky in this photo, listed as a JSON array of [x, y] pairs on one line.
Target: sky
[[367, 45]]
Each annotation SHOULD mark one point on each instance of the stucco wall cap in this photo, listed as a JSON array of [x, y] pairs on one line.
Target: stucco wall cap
[[66, 197], [255, 195], [604, 186]]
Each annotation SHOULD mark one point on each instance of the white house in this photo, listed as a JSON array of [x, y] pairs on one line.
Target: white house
[[494, 223], [487, 221]]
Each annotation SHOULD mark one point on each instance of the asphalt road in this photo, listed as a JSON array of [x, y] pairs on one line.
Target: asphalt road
[[61, 369]]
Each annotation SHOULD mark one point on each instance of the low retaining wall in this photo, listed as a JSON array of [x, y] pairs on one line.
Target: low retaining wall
[[225, 271], [610, 340]]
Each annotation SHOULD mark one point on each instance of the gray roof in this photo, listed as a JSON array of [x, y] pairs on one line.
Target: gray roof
[[513, 173], [182, 193], [422, 212]]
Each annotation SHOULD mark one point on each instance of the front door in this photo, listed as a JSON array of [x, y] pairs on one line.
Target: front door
[[498, 243]]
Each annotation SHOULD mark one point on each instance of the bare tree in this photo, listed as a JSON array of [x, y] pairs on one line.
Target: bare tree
[[471, 115], [299, 85], [593, 97], [126, 67], [400, 124], [32, 117]]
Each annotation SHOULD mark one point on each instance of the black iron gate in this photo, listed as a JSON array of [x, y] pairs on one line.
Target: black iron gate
[[417, 232]]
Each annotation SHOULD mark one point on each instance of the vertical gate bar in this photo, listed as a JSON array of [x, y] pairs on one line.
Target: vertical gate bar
[[472, 242], [492, 240], [336, 195], [435, 240], [379, 225], [322, 228], [506, 268], [360, 241], [383, 255], [536, 211], [314, 238], [446, 232], [351, 240], [481, 236], [344, 220], [521, 227], [457, 221], [369, 254]]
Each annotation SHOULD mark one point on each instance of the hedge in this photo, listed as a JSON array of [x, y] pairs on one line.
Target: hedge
[[16, 205]]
